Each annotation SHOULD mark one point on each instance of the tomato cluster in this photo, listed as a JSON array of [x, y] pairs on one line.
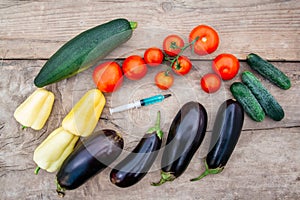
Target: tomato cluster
[[225, 67], [108, 76], [202, 39]]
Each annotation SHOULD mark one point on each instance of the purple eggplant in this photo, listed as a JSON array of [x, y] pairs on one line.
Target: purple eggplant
[[225, 135], [185, 136], [138, 162], [89, 158]]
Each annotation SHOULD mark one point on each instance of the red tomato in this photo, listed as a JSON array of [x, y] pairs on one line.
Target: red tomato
[[108, 76], [208, 40], [172, 45], [210, 82], [164, 80], [226, 66], [153, 56], [134, 67], [182, 66]]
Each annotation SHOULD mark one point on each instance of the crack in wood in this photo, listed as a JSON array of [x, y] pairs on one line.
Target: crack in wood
[[4, 145], [2, 125], [272, 128]]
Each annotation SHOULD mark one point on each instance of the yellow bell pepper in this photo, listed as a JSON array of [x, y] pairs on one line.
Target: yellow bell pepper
[[35, 110], [84, 116], [52, 152]]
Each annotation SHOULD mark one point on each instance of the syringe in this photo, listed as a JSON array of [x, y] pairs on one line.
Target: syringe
[[140, 103]]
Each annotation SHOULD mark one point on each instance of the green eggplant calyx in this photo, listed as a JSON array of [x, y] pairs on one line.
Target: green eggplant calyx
[[160, 134], [36, 171], [208, 171], [133, 25], [156, 129], [24, 127], [60, 191], [165, 176]]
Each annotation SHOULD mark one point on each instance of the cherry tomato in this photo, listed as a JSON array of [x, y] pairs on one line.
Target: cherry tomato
[[153, 56], [182, 66], [108, 76], [210, 83], [208, 39], [134, 67], [172, 45], [164, 80], [226, 66]]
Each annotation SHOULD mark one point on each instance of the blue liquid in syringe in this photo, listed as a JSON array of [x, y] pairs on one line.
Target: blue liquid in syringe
[[154, 99]]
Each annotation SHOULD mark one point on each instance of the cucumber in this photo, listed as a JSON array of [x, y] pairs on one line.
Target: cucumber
[[268, 71], [250, 104], [263, 96], [84, 51]]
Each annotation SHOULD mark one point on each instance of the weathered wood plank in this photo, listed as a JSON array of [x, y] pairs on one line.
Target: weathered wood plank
[[264, 165], [36, 29]]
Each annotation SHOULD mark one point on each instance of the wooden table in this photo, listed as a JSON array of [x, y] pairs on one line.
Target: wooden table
[[266, 160]]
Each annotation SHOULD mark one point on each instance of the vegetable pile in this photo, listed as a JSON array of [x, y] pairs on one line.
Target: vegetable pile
[[80, 122], [76, 153], [202, 39]]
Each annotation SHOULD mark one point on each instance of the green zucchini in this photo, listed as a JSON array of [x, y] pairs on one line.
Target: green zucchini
[[268, 71], [263, 96], [250, 104], [84, 51]]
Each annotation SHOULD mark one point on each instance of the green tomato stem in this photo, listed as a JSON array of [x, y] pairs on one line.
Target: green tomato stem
[[175, 59], [167, 72]]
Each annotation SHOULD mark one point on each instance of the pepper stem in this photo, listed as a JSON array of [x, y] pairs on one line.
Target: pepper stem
[[208, 171], [165, 176], [156, 128], [37, 169]]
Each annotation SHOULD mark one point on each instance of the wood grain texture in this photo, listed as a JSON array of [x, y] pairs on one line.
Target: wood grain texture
[[258, 169], [36, 29], [265, 163]]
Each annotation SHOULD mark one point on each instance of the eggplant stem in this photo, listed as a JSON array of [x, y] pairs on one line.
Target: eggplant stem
[[156, 128], [60, 191], [165, 177], [157, 123], [37, 169], [207, 172], [160, 182], [160, 134]]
